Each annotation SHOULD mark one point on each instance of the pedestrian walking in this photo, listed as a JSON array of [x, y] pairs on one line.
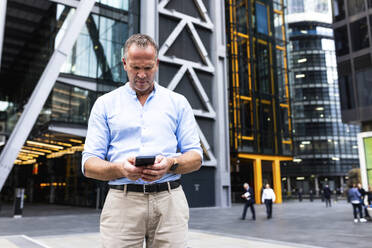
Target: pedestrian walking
[[248, 196], [268, 197], [300, 191], [327, 196], [355, 199], [369, 196], [145, 200], [311, 195], [363, 194]]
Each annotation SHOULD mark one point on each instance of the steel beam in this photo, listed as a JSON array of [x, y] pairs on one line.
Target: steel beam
[[42, 90], [2, 25]]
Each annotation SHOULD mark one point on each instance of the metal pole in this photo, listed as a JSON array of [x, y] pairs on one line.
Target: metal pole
[[42, 90], [149, 25], [2, 25]]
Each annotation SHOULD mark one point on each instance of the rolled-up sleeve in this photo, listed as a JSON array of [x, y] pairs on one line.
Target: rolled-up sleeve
[[187, 130], [98, 135]]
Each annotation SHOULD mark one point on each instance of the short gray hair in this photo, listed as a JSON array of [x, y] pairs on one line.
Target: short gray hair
[[142, 41]]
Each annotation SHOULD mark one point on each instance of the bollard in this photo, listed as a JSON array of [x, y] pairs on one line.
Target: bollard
[[18, 202]]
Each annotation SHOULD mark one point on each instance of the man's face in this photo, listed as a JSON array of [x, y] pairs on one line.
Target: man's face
[[141, 67]]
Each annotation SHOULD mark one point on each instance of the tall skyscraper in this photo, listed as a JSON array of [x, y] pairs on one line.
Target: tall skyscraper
[[352, 23], [325, 148], [260, 125]]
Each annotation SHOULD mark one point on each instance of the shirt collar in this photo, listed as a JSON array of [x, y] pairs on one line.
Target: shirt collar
[[133, 92]]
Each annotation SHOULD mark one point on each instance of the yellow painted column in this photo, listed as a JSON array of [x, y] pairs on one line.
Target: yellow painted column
[[257, 173], [277, 181]]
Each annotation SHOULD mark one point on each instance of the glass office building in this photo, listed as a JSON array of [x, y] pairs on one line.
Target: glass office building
[[190, 63], [325, 148], [352, 23], [259, 108], [48, 165]]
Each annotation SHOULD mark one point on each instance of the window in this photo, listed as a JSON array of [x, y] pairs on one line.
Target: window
[[364, 83], [296, 6], [119, 4], [246, 113], [355, 6], [341, 41], [278, 24], [261, 17], [338, 10], [359, 34], [263, 67]]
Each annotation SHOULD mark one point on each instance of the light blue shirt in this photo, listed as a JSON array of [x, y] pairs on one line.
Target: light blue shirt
[[119, 127]]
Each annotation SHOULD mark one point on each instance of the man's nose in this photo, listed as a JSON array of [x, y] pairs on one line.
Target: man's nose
[[141, 74]]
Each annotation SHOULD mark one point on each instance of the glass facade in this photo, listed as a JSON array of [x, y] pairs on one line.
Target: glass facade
[[324, 146], [100, 43], [260, 116], [259, 98], [352, 25], [50, 159]]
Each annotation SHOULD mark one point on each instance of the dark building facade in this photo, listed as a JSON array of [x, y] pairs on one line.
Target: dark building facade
[[352, 22], [325, 149], [260, 117]]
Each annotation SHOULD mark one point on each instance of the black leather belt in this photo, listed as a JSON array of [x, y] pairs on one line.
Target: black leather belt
[[148, 188]]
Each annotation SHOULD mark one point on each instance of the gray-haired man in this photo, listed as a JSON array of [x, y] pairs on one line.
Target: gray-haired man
[[142, 118]]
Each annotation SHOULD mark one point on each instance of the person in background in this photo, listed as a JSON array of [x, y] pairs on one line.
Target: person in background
[[327, 196], [369, 196], [300, 191], [355, 199], [249, 201], [268, 197], [363, 194], [311, 195]]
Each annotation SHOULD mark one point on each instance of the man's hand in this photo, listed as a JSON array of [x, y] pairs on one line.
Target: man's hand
[[157, 170], [131, 171]]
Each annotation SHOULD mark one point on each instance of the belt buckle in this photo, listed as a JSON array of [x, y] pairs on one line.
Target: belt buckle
[[144, 189]]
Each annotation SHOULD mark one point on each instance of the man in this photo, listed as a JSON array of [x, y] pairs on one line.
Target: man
[[268, 197], [327, 196], [249, 197], [142, 118]]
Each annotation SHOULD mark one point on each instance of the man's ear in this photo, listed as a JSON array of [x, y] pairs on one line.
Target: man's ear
[[124, 63]]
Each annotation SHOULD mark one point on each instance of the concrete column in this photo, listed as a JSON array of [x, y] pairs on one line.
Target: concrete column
[[289, 188], [2, 25], [149, 23], [316, 186], [257, 174], [277, 181], [220, 102]]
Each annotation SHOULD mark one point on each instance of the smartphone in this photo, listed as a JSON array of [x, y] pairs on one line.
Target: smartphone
[[144, 160]]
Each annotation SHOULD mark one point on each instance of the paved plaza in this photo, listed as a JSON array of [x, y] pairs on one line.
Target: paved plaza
[[294, 225]]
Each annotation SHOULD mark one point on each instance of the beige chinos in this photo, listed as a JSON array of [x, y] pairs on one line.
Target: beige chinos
[[130, 217]]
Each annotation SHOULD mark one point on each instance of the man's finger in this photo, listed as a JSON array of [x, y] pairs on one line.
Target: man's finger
[[151, 172]]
